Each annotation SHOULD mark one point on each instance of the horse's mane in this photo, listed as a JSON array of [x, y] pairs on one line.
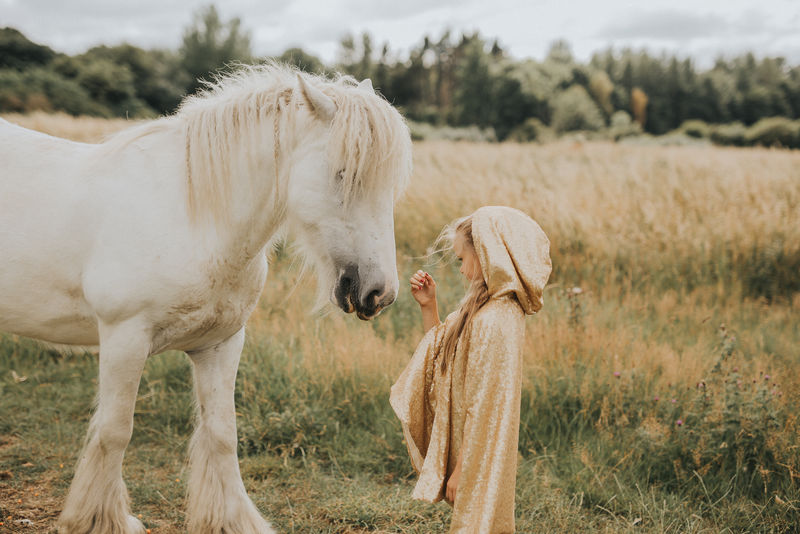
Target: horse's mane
[[370, 144]]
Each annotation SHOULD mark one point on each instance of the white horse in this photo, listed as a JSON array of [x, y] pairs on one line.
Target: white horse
[[157, 240]]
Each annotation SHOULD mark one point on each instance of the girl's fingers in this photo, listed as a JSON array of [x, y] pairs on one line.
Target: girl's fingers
[[420, 279]]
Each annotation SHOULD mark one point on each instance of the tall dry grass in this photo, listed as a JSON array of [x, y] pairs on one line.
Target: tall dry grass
[[659, 228], [81, 129]]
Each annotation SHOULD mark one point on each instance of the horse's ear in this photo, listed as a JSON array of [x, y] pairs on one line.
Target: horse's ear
[[366, 83], [318, 102]]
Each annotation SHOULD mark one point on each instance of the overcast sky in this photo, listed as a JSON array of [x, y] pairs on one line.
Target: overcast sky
[[702, 29]]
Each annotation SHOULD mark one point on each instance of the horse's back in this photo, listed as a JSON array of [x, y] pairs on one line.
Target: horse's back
[[23, 149]]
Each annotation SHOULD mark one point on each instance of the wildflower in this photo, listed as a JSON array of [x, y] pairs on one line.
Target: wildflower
[[656, 398], [679, 422], [735, 369], [673, 401], [576, 291], [616, 374], [766, 377]]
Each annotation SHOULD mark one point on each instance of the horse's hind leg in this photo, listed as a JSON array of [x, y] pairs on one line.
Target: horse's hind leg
[[218, 502], [97, 502]]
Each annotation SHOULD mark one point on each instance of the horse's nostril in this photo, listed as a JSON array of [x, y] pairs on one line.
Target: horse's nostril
[[347, 284], [374, 298], [347, 289]]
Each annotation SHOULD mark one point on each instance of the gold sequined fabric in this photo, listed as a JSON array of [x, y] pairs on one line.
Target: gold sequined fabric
[[473, 407]]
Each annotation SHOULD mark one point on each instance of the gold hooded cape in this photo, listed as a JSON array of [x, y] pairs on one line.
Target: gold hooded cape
[[473, 407]]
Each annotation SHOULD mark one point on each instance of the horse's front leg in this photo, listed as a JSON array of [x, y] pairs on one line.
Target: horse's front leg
[[97, 502], [218, 502]]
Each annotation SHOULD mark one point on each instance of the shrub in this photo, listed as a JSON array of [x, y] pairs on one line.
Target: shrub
[[734, 134], [111, 85], [575, 110], [775, 131], [696, 128], [623, 126], [422, 131], [42, 88], [531, 130]]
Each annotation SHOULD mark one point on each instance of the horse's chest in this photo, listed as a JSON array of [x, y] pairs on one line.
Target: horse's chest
[[212, 316]]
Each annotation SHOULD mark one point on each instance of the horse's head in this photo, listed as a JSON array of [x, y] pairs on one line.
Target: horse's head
[[351, 156]]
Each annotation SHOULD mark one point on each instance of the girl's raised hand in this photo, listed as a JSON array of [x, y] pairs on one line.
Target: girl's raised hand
[[423, 288]]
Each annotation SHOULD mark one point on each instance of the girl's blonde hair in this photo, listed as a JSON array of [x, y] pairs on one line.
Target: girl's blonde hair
[[476, 297]]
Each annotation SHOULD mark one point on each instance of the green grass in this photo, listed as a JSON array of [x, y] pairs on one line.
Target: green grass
[[322, 452]]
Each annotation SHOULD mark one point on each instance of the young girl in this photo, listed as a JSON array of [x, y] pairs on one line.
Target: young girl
[[459, 398]]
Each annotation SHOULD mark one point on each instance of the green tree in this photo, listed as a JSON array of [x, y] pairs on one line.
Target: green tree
[[111, 85], [18, 52], [156, 76], [602, 88], [210, 44], [474, 87], [41, 88], [575, 110], [302, 60]]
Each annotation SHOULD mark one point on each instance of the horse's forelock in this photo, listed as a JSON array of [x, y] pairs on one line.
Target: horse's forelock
[[369, 143]]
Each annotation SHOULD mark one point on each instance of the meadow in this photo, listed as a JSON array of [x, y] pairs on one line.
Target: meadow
[[660, 386]]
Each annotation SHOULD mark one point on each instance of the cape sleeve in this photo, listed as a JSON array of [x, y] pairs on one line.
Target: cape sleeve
[[410, 396], [485, 497]]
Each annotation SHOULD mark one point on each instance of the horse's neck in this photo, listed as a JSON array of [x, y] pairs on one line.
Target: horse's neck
[[256, 209], [245, 237]]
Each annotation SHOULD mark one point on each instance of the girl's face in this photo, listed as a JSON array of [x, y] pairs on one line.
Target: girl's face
[[470, 266]]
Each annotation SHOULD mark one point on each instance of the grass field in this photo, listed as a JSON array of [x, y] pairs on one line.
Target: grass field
[[660, 398]]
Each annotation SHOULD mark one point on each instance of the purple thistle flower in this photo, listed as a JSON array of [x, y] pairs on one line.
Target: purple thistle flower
[[679, 422], [616, 374], [673, 401], [766, 377], [656, 398]]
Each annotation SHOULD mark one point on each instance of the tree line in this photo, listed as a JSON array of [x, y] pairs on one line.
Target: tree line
[[453, 81]]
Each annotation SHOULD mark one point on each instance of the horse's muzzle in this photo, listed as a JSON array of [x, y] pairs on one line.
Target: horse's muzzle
[[348, 295]]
